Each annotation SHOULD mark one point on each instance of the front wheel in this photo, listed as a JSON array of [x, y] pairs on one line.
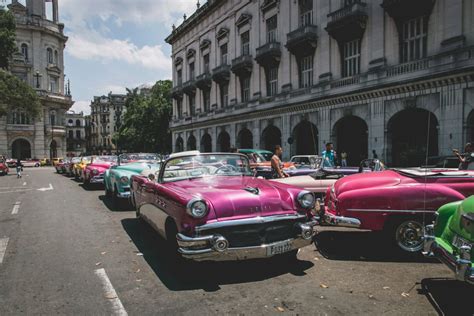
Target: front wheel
[[408, 235]]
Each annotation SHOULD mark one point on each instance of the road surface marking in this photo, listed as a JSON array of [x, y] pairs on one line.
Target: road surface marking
[[110, 293], [16, 207], [24, 190], [10, 188], [24, 183], [46, 189], [3, 248]]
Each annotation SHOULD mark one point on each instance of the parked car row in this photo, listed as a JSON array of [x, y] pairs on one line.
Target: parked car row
[[212, 206]]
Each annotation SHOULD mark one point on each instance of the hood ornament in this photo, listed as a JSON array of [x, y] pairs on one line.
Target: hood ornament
[[255, 191]]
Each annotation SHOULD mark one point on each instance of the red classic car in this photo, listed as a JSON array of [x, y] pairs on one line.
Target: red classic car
[[3, 168], [94, 172], [398, 201], [211, 207]]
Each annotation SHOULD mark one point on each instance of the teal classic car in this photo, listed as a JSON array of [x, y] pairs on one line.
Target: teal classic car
[[451, 238], [117, 178]]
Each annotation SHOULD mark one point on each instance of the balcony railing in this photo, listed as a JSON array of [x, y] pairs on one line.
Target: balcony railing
[[268, 54], [204, 81], [408, 67], [348, 10], [242, 65], [221, 73], [348, 23], [302, 41]]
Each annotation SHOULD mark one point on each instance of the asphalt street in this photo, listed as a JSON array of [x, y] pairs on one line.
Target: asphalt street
[[64, 250]]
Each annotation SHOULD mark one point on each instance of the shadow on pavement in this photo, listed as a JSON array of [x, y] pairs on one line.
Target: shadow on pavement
[[205, 275], [449, 296], [92, 186], [363, 246], [121, 206]]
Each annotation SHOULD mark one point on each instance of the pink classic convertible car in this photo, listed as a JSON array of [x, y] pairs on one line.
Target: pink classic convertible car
[[94, 172], [211, 207], [397, 201]]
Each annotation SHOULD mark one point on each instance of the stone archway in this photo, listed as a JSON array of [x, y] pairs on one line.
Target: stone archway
[[21, 149], [191, 143], [206, 143], [179, 145], [245, 139], [408, 134], [305, 138], [53, 149], [350, 135], [271, 136], [223, 142]]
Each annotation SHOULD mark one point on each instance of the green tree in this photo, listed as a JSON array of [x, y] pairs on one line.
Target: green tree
[[145, 126], [17, 94], [7, 37]]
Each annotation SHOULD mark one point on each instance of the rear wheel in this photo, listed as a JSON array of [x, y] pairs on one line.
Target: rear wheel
[[408, 234]]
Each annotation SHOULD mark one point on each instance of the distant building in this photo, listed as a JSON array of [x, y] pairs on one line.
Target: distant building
[[106, 118], [391, 76], [88, 131], [75, 134], [40, 63]]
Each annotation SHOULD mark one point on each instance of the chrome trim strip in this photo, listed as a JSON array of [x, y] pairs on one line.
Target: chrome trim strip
[[389, 210], [248, 221]]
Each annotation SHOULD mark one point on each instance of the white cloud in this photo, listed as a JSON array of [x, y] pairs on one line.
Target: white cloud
[[81, 106]]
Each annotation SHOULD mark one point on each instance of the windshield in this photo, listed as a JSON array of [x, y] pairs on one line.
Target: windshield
[[139, 157], [76, 160], [426, 172], [267, 155], [86, 159], [99, 159], [182, 168]]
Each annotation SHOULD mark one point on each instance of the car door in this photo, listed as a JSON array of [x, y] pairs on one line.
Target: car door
[[153, 207]]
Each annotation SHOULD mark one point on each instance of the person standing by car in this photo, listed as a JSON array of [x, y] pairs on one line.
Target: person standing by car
[[19, 168], [343, 159], [465, 158], [329, 156], [277, 165]]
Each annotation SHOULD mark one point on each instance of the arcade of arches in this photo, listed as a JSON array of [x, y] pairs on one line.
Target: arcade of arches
[[21, 149], [409, 136]]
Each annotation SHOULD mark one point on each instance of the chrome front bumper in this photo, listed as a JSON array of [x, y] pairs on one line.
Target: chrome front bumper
[[97, 179], [123, 195], [216, 247], [342, 221], [461, 266]]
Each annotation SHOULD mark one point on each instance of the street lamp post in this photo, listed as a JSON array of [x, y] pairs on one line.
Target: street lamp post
[[37, 76]]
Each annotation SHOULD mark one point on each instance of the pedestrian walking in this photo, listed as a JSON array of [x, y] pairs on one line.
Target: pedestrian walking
[[19, 168], [277, 165], [343, 159], [465, 158], [329, 156]]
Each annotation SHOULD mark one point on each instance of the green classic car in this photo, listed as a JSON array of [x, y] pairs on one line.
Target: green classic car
[[451, 238], [117, 178]]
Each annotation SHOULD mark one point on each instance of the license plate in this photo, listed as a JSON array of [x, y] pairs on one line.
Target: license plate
[[279, 248], [459, 242]]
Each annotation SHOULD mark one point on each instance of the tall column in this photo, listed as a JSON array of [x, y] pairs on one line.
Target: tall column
[[376, 129], [55, 11], [256, 134], [285, 134]]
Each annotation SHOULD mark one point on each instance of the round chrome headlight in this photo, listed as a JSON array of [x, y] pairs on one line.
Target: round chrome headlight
[[124, 180], [306, 199], [95, 171], [197, 208]]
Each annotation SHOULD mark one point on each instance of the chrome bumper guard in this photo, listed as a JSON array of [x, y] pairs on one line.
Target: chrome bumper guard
[[216, 247], [97, 179], [461, 266], [123, 195], [342, 221]]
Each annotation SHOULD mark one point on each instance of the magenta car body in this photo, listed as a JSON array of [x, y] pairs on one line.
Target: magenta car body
[[94, 172], [398, 201], [212, 208]]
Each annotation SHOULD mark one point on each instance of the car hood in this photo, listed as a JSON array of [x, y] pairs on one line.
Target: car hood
[[232, 197], [131, 167], [367, 180], [100, 166]]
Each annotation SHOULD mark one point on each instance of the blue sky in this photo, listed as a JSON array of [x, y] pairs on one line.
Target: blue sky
[[115, 44]]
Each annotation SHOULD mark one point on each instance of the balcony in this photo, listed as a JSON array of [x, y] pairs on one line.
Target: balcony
[[348, 23], [242, 66], [302, 41], [20, 127], [402, 9], [221, 74], [269, 54], [177, 92], [56, 130], [189, 87], [204, 81]]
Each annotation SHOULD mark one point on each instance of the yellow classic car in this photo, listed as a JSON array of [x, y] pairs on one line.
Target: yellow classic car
[[80, 166], [45, 162], [56, 161]]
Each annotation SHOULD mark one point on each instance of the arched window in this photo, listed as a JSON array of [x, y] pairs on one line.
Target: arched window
[[49, 56], [78, 123], [56, 61], [24, 51]]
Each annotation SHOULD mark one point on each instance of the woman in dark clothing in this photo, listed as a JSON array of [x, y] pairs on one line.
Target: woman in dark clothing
[[19, 168]]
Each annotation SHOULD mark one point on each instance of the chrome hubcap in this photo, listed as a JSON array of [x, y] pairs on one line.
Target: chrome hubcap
[[409, 236]]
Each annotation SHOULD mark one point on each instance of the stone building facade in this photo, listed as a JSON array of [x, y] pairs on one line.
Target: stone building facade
[[75, 134], [390, 77], [105, 119], [39, 62]]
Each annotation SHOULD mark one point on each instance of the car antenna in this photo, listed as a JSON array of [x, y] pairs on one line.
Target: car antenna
[[426, 170]]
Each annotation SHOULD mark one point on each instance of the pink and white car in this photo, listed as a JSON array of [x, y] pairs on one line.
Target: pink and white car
[[94, 172]]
